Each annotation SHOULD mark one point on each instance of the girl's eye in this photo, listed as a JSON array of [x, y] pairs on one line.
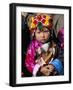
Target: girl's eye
[[46, 31], [38, 32]]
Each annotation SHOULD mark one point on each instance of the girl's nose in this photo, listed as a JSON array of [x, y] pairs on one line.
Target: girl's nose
[[42, 34]]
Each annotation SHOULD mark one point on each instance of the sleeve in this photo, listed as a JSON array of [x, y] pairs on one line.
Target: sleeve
[[58, 66], [30, 59], [31, 66]]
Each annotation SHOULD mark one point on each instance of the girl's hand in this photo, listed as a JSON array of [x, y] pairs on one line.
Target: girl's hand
[[47, 70]]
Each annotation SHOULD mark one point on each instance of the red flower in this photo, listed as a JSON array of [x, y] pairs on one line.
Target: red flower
[[35, 22], [39, 18], [44, 16], [43, 21]]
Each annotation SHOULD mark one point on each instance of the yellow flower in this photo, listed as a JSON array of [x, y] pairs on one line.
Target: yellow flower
[[32, 18], [33, 25], [46, 23], [47, 17]]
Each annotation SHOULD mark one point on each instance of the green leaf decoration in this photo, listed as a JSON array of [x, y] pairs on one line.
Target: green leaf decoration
[[40, 26]]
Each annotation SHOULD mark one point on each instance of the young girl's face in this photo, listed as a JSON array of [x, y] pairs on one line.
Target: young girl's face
[[42, 36]]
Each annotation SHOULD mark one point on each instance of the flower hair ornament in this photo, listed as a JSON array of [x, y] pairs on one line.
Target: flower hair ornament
[[39, 21]]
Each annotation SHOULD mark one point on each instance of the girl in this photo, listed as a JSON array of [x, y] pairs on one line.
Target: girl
[[42, 50]]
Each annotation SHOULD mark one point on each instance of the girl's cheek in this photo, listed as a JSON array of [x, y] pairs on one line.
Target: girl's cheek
[[47, 35]]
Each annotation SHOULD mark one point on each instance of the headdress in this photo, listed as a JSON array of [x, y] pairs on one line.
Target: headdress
[[39, 21]]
